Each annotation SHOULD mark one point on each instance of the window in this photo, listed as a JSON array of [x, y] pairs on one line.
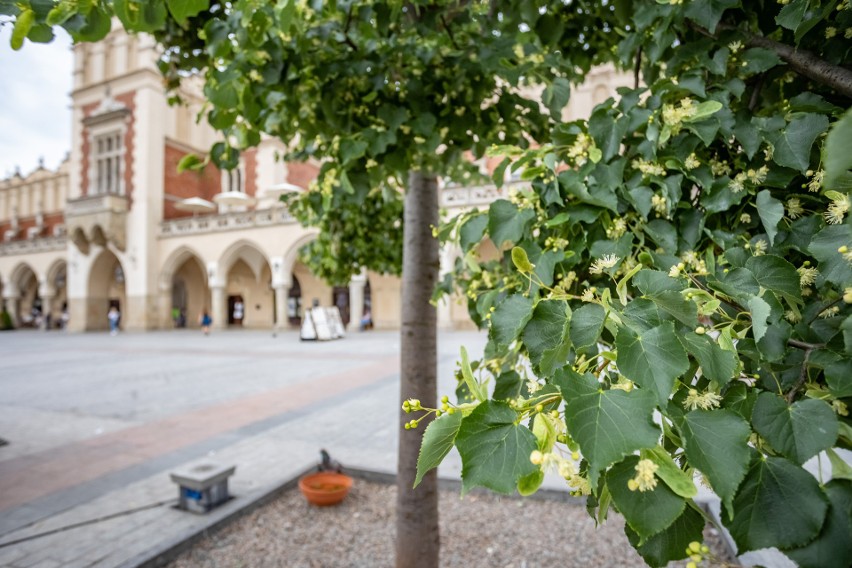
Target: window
[[107, 158], [232, 180]]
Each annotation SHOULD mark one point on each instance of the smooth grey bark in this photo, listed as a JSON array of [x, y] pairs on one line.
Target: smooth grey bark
[[417, 531]]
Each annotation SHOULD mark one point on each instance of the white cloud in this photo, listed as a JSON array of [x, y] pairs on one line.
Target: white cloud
[[35, 116]]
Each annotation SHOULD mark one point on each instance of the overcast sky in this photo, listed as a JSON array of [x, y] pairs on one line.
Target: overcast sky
[[35, 118]]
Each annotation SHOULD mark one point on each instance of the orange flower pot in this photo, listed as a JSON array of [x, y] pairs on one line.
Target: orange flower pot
[[325, 488]]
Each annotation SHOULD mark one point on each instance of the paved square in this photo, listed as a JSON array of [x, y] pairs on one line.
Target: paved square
[[95, 423]]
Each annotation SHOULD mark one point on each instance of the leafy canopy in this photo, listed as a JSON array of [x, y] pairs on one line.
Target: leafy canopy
[[674, 284]]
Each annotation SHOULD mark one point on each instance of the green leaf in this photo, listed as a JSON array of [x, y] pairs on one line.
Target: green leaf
[[183, 9], [547, 329], [760, 312], [97, 25], [190, 162], [476, 389], [715, 442], [759, 59], [139, 16], [437, 442], [824, 247], [707, 13], [506, 222], [704, 110], [471, 231], [529, 484], [60, 13], [775, 274], [793, 145], [351, 149], [839, 468], [509, 318], [586, 325], [799, 431], [833, 547], [23, 23], [677, 479], [771, 211], [495, 451], [654, 282], [838, 158], [647, 512], [521, 260], [791, 15], [652, 359], [838, 377], [556, 96], [607, 425], [509, 385], [740, 399], [672, 542], [717, 364], [779, 504]]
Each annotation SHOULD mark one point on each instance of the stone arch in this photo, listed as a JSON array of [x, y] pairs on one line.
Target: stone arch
[[23, 285], [249, 252], [245, 275], [55, 286], [292, 254], [105, 288], [177, 259], [184, 286]]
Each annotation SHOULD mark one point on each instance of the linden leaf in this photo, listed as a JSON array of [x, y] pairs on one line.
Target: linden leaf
[[495, 451], [607, 425], [652, 359], [437, 442], [715, 443], [800, 430], [509, 318], [779, 504], [647, 512], [672, 542], [833, 547]]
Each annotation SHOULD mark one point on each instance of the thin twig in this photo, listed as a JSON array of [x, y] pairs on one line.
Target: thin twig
[[449, 33], [821, 310], [637, 67], [803, 377], [755, 94]]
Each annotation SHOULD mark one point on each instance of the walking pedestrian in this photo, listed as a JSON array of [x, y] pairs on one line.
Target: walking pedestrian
[[114, 316], [206, 321]]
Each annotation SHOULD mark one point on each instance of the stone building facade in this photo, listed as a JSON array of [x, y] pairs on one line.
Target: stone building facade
[[110, 225]]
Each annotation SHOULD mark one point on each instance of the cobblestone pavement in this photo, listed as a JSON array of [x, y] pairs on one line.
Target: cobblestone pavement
[[95, 424]]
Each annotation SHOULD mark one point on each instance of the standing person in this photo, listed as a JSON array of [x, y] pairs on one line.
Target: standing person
[[239, 310], [206, 322], [113, 316], [65, 317]]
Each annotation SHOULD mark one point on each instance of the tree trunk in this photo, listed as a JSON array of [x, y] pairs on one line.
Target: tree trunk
[[417, 532]]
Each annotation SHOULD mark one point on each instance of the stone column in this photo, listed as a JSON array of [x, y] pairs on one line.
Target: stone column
[[46, 292], [356, 300], [12, 308], [219, 309], [282, 293], [165, 311], [47, 310]]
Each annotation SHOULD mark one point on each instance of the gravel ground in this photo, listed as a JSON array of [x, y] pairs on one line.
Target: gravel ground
[[481, 529]]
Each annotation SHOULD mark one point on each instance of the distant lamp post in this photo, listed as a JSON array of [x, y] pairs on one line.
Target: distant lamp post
[[119, 275]]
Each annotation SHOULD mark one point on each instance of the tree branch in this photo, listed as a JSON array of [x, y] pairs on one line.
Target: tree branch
[[802, 62]]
